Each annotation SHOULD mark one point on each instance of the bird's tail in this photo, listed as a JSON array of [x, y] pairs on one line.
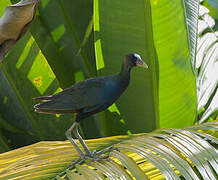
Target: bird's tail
[[49, 105], [44, 107], [47, 111], [43, 98]]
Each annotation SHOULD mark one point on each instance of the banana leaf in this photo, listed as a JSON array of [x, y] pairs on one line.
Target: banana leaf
[[164, 34], [60, 37], [25, 74], [30, 70]]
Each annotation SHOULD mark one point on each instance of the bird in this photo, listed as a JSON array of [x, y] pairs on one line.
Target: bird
[[89, 97]]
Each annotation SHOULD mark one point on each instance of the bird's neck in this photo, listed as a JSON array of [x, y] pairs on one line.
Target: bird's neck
[[125, 72]]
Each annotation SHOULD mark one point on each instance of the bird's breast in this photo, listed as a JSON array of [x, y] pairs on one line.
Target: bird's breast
[[113, 90]]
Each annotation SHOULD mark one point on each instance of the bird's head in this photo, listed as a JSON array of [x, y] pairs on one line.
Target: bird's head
[[131, 60]]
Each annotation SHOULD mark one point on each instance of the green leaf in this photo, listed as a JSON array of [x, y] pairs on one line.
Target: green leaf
[[166, 91], [3, 144], [60, 39], [87, 35], [65, 35], [25, 74], [177, 89], [5, 125], [4, 4]]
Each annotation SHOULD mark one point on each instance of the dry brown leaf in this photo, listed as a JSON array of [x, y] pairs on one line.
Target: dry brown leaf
[[14, 23]]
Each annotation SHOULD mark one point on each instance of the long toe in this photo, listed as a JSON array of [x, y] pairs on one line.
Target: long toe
[[97, 158], [108, 150], [100, 155]]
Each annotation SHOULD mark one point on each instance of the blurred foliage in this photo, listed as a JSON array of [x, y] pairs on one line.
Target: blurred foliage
[[60, 48], [43, 62]]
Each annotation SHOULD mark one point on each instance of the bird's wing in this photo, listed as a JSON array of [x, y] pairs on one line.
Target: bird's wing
[[85, 94]]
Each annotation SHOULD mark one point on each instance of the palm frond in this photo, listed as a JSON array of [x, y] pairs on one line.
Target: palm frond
[[206, 67], [189, 153]]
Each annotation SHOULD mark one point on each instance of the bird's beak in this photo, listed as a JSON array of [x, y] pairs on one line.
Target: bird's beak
[[141, 63]]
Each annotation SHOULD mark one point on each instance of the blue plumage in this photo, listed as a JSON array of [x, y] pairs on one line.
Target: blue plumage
[[92, 95], [89, 97]]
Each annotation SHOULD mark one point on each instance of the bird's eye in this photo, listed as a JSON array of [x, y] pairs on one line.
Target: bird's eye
[[134, 61]]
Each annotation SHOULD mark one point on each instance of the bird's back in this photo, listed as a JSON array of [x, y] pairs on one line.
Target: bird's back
[[91, 95]]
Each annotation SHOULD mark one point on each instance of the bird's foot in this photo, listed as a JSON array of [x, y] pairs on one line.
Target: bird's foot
[[100, 155], [95, 156]]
